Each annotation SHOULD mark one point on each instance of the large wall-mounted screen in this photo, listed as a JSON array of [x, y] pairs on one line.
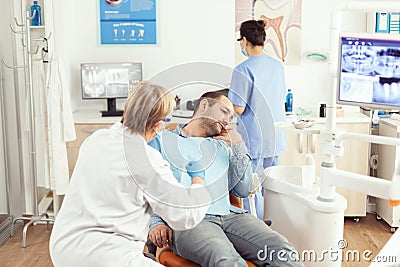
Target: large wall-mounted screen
[[369, 71]]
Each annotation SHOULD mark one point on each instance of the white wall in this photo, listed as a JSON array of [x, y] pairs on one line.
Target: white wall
[[6, 79], [3, 196], [10, 87], [193, 31], [188, 30], [311, 82]]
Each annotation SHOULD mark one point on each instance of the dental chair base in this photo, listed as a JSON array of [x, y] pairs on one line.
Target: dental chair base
[[314, 227]]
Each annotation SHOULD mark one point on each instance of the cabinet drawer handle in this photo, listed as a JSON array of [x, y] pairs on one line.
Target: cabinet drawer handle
[[88, 130]]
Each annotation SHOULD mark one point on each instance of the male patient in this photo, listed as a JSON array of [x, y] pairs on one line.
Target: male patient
[[227, 235]]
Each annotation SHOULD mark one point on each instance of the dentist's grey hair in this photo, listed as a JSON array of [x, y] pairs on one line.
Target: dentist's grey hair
[[146, 105]]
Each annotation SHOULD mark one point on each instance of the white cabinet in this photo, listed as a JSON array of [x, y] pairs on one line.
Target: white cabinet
[[83, 131], [388, 157], [298, 145], [355, 158], [86, 123]]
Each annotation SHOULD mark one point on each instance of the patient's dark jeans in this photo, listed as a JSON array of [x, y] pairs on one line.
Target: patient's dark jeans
[[228, 240]]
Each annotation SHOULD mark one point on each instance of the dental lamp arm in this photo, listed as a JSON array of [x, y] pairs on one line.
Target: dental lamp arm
[[331, 177], [384, 140]]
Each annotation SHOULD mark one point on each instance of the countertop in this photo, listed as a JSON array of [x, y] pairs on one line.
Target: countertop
[[319, 123], [349, 117], [94, 117]]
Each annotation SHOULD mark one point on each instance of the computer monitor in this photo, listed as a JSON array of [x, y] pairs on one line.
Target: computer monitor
[[109, 81], [369, 71]]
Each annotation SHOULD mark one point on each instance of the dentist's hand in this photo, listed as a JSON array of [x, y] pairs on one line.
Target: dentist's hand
[[196, 172], [161, 235]]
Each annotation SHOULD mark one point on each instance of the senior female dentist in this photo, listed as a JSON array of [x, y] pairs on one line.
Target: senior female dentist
[[117, 183]]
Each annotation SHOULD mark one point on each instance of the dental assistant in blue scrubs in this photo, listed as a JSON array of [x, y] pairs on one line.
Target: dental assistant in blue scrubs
[[257, 92]]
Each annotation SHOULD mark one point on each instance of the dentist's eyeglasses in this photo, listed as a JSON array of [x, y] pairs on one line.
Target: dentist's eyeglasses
[[166, 120]]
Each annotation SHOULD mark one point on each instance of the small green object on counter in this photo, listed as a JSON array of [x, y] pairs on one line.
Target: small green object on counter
[[302, 112]]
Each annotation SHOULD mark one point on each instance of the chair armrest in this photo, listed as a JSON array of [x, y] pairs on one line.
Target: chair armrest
[[235, 201], [167, 258]]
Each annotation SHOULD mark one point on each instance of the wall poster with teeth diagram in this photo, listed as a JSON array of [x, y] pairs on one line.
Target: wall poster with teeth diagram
[[128, 22], [282, 25]]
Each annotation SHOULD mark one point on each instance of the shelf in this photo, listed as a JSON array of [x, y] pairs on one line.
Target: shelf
[[288, 127], [36, 27]]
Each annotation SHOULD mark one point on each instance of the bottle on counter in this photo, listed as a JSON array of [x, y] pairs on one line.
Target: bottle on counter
[[37, 19], [289, 101], [322, 111]]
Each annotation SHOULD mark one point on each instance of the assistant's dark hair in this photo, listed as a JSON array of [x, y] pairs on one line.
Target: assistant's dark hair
[[212, 98], [254, 31]]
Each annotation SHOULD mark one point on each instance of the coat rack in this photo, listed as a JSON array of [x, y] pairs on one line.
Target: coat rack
[[36, 217]]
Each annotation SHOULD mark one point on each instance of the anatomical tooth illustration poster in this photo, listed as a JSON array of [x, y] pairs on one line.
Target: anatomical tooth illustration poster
[[282, 25]]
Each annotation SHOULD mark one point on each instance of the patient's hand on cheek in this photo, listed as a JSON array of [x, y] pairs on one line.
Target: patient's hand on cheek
[[230, 136], [224, 136], [161, 235]]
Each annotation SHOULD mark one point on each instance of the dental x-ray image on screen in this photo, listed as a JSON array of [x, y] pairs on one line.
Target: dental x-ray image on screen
[[369, 71], [109, 80]]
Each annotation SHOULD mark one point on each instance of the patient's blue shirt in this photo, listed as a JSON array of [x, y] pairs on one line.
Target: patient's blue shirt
[[226, 169], [204, 157]]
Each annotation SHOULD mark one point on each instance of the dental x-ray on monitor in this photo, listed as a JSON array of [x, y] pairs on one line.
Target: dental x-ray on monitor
[[369, 71], [109, 81]]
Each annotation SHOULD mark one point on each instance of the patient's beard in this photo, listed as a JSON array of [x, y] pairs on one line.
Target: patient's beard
[[210, 127]]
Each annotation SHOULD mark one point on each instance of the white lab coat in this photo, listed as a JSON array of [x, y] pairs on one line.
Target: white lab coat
[[54, 124], [39, 73], [61, 128], [118, 182]]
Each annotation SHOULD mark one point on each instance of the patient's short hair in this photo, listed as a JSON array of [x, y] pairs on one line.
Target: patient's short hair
[[212, 98], [146, 105]]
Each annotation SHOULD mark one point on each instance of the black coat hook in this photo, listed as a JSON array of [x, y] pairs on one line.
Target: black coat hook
[[46, 47]]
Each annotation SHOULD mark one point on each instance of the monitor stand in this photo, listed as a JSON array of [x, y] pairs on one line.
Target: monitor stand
[[111, 109]]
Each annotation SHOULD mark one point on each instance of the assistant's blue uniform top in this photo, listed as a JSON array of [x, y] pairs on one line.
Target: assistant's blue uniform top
[[258, 84]]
